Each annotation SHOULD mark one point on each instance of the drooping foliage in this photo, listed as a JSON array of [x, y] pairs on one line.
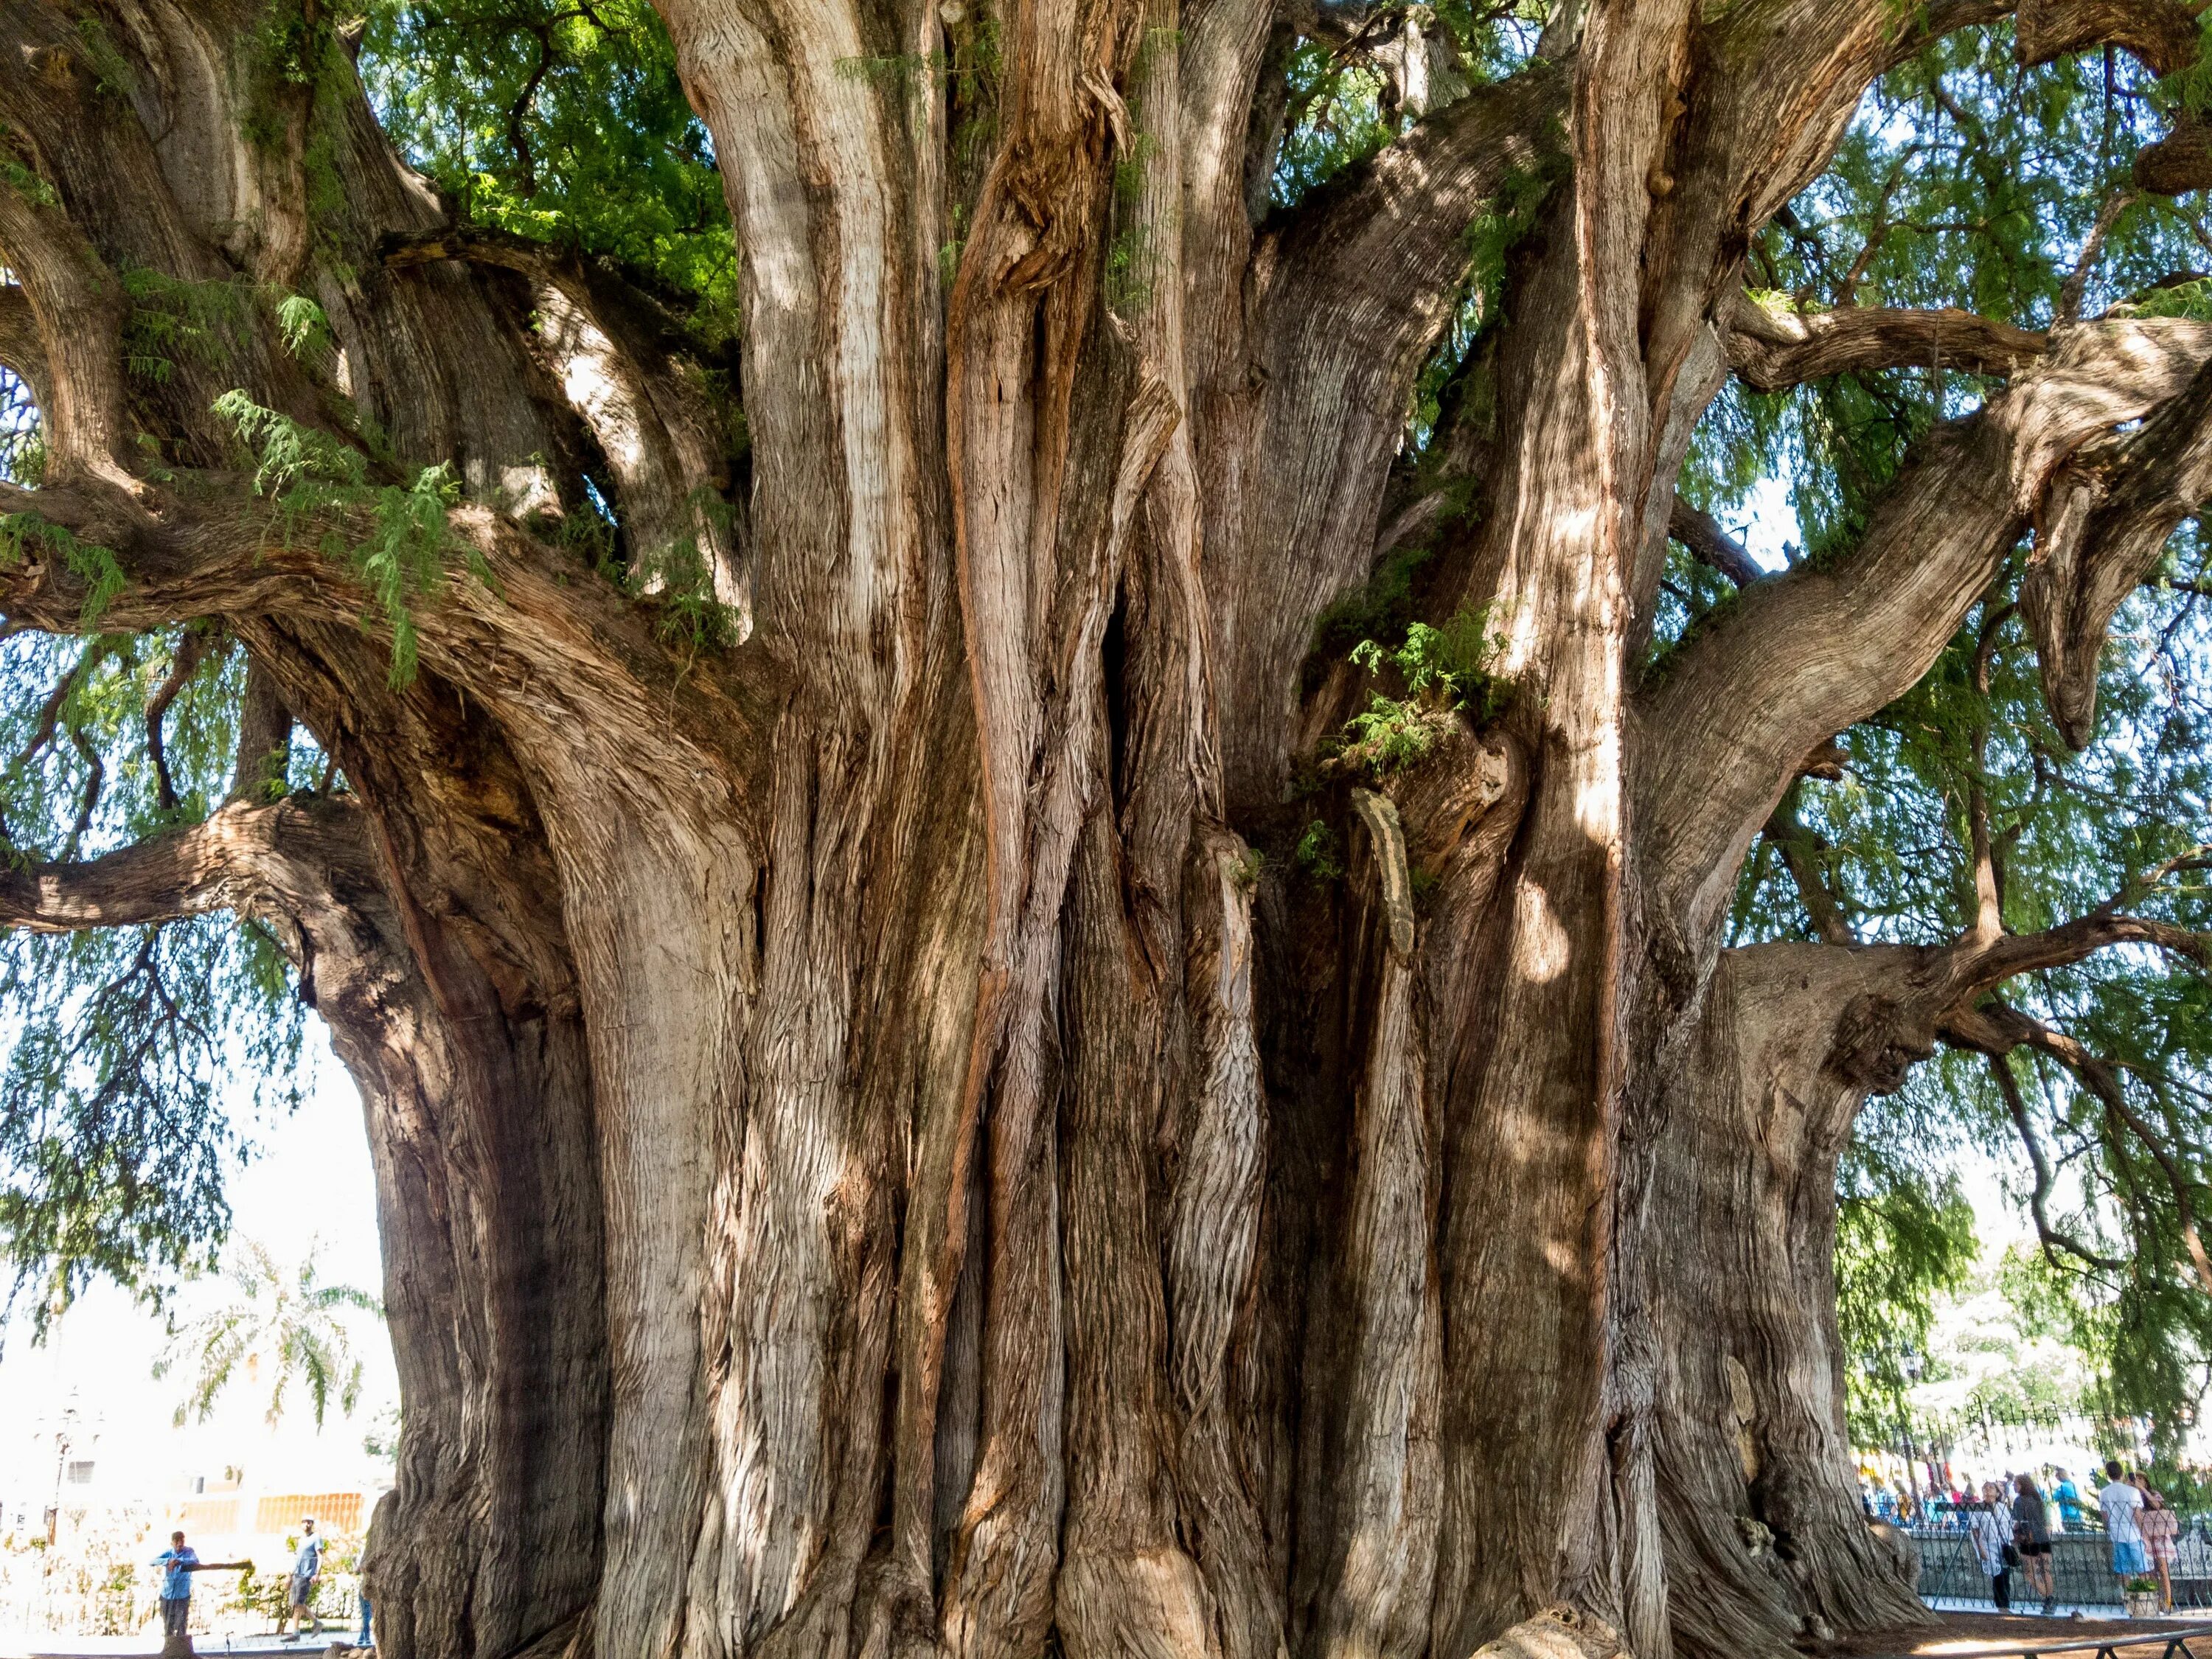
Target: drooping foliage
[[1970, 182], [119, 1119]]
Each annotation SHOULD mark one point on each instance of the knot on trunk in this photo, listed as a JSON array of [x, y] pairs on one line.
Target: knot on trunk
[[1458, 785], [1559, 1632], [1877, 1041], [2178, 163]]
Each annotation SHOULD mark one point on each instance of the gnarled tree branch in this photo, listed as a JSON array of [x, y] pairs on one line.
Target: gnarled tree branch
[[2102, 534], [1805, 655], [1771, 349], [243, 856]]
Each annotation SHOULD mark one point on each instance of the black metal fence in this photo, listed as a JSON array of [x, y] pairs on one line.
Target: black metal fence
[[2081, 1569], [1998, 1433]]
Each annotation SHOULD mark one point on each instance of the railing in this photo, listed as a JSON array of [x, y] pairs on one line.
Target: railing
[[2081, 1569]]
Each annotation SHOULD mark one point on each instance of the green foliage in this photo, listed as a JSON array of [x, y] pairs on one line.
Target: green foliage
[[205, 323], [1904, 1236], [1441, 673], [1319, 853], [25, 183], [118, 1116], [1381, 605], [170, 319], [560, 123], [96, 567], [314, 478], [1335, 121], [280, 1325], [112, 71], [1338, 112], [302, 325]]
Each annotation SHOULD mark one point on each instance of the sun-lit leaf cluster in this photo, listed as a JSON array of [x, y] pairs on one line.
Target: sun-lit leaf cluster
[[277, 1326], [560, 122]]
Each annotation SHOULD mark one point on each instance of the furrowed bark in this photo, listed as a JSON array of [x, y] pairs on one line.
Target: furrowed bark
[[1541, 1081], [876, 1162], [1766, 1543], [1378, 1597]]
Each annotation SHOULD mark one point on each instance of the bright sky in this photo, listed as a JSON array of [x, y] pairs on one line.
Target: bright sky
[[311, 1184]]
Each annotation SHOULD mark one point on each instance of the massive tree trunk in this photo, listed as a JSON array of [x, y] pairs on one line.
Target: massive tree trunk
[[873, 1160], [1766, 1540]]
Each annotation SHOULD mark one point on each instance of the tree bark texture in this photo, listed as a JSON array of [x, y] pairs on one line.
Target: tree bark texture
[[873, 1160]]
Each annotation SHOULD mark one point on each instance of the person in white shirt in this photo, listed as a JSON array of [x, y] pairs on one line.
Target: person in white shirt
[[306, 1567], [2122, 1503], [1990, 1526]]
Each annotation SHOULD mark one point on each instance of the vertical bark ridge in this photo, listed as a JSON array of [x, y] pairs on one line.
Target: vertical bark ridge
[[1377, 1601], [444, 968], [1126, 1587], [1212, 1239]]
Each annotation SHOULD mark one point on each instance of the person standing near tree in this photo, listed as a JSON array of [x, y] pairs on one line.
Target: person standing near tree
[[2161, 1529], [2030, 1536], [2070, 1502], [2123, 1504], [306, 1568], [1988, 1526], [178, 1563]]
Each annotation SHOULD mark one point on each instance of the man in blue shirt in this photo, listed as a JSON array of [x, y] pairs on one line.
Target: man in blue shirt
[[179, 1563], [2070, 1502], [306, 1568]]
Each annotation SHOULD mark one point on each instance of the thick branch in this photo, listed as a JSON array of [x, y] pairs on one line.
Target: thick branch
[[2101, 536], [1359, 281], [242, 857], [1806, 654], [1700, 531], [617, 353], [529, 642], [1771, 349], [74, 339], [2162, 35]]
